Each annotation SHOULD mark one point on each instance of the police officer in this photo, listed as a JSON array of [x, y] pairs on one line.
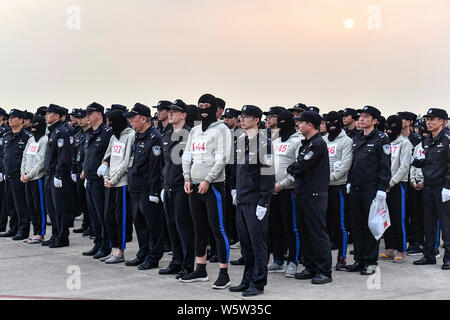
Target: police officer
[[58, 184], [349, 121], [436, 194], [312, 177], [255, 182], [144, 185], [27, 117], [176, 206], [341, 157], [298, 109], [14, 143], [272, 116], [3, 211], [97, 140], [408, 119], [163, 116], [369, 179]]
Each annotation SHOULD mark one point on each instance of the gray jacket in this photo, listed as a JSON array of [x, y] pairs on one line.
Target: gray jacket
[[119, 154], [285, 154], [340, 153], [207, 153], [415, 174], [33, 158], [401, 152]]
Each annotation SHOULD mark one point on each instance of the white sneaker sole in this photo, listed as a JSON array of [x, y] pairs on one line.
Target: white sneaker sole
[[289, 275], [276, 271], [221, 287], [195, 280]]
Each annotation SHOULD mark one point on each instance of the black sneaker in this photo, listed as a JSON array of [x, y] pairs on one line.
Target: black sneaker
[[414, 250], [214, 259], [197, 275], [222, 282], [238, 262], [341, 265]]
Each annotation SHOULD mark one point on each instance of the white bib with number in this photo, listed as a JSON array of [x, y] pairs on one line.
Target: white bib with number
[[199, 146], [332, 149], [32, 149], [282, 148], [118, 150], [421, 154]]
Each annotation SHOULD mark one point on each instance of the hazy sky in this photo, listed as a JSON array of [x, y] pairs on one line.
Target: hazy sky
[[245, 51]]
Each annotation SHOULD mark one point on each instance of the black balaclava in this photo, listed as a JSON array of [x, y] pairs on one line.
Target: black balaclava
[[423, 130], [393, 127], [38, 127], [211, 111], [286, 124], [334, 119], [117, 122], [381, 123]]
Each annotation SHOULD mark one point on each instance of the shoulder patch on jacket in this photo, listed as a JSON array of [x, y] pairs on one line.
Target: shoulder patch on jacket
[[387, 149], [156, 150]]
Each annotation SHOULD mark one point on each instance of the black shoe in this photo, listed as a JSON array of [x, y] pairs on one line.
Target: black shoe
[[197, 275], [334, 247], [148, 264], [167, 248], [134, 263], [321, 278], [181, 274], [414, 249], [92, 237], [222, 282], [48, 242], [171, 269], [305, 275], [91, 252], [250, 292], [341, 265], [368, 270], [59, 244], [424, 261], [238, 262], [446, 266], [102, 253], [87, 233], [214, 259], [79, 230], [7, 234], [18, 237], [239, 288], [356, 267]]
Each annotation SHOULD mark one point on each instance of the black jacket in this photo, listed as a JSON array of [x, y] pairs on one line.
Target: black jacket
[[144, 175], [351, 133], [371, 167], [312, 168], [58, 155], [414, 138], [12, 151], [436, 165], [94, 149], [230, 168], [255, 175], [78, 149], [173, 145]]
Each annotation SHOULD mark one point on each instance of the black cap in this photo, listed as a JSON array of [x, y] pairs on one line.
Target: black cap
[[55, 109], [163, 104], [28, 115], [406, 115], [349, 112], [220, 103], [435, 112], [179, 105], [3, 112], [252, 111], [66, 111], [299, 107], [140, 109], [95, 107], [41, 111], [311, 117], [231, 113], [324, 116], [74, 112], [155, 117], [275, 111], [16, 113], [80, 114], [312, 108], [119, 107], [374, 112]]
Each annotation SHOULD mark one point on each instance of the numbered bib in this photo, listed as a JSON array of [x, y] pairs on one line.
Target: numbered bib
[[394, 151], [199, 146], [282, 148], [421, 154], [32, 149], [118, 150], [332, 149]]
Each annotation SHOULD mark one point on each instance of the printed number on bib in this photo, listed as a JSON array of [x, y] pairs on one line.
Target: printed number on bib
[[282, 148], [394, 150], [32, 149], [332, 149], [199, 146], [421, 154], [118, 150]]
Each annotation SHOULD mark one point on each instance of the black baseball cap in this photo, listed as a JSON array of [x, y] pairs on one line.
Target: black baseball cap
[[163, 104], [274, 111], [313, 108], [311, 117], [251, 110], [16, 113], [74, 112], [349, 112], [299, 107], [406, 115], [231, 113], [119, 107], [140, 109], [95, 107], [374, 112], [179, 105], [55, 109], [3, 112], [28, 115], [80, 114], [435, 112], [41, 111]]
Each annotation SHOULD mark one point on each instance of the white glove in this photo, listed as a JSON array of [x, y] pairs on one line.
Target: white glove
[[381, 195], [153, 199], [234, 196], [445, 195], [348, 186], [1, 177], [74, 177], [290, 177], [85, 183], [162, 195], [57, 183], [101, 170], [260, 212]]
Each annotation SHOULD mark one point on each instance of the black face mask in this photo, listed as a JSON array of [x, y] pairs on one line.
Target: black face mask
[[211, 111], [286, 124], [117, 122], [334, 125], [38, 127], [393, 127], [423, 130]]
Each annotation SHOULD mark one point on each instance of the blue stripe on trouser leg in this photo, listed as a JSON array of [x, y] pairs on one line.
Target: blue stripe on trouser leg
[[41, 198], [403, 219], [344, 231], [124, 216], [222, 230], [437, 236], [294, 224]]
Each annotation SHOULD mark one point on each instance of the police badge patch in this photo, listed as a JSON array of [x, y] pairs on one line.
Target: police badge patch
[[156, 150], [387, 149], [268, 160], [60, 143], [308, 155]]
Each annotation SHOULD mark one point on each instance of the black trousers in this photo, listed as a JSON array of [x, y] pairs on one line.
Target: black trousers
[[283, 223], [17, 206], [58, 206], [312, 222], [230, 215], [207, 212], [149, 224], [82, 202], [253, 238], [180, 228], [366, 247], [437, 214], [414, 215], [395, 235], [34, 194], [95, 195], [336, 218], [117, 211], [3, 211]]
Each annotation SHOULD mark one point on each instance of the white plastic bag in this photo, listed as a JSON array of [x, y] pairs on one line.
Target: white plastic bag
[[379, 219]]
